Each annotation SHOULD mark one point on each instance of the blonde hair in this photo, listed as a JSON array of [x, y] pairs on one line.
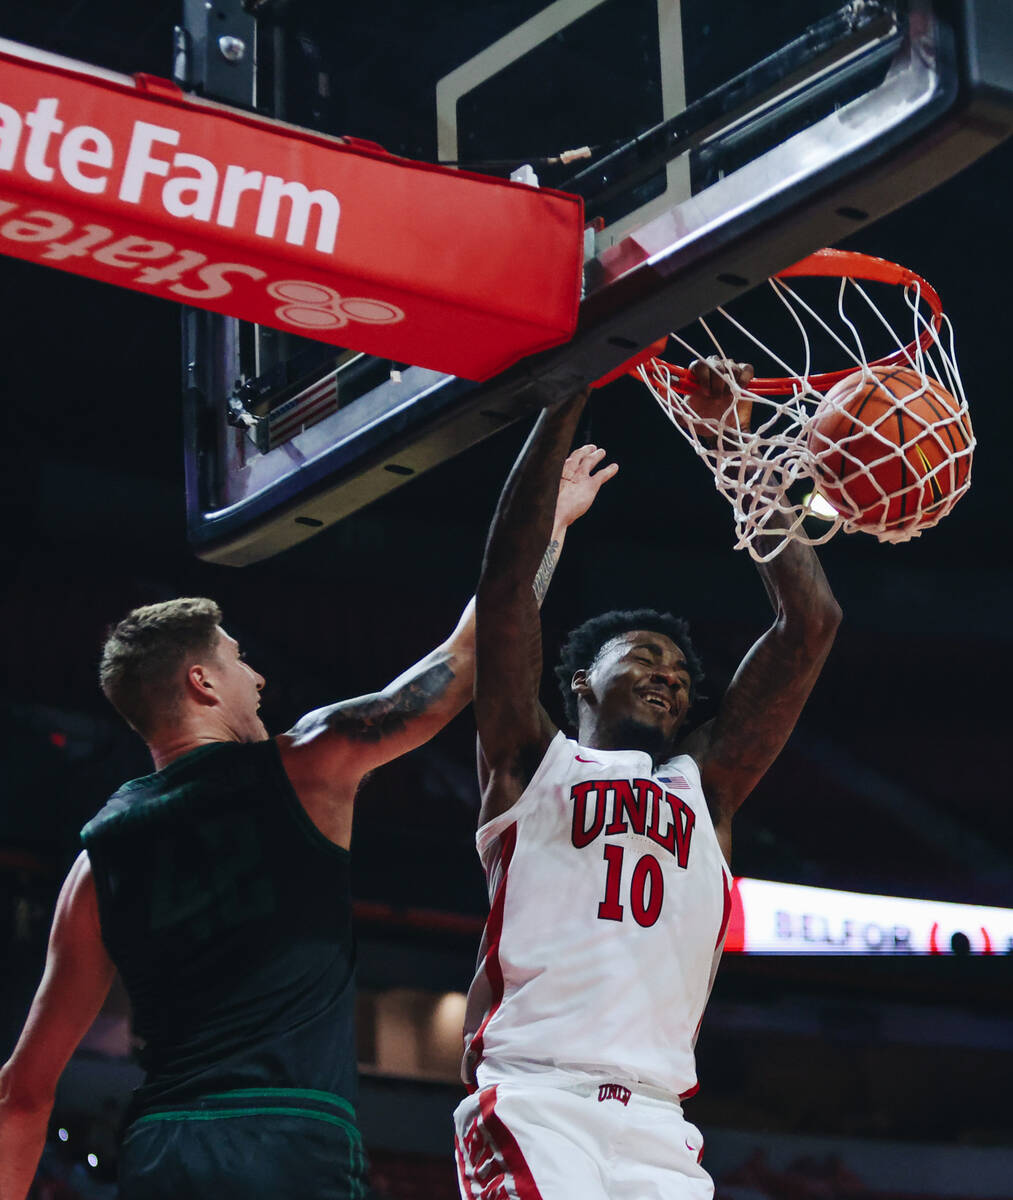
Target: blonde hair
[[143, 654]]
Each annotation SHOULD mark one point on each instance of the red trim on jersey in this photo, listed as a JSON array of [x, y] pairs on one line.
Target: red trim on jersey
[[699, 1157], [492, 966], [735, 938], [462, 1174], [509, 1152], [727, 910], [692, 1091]]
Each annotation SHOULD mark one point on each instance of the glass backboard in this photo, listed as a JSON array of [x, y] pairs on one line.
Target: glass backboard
[[719, 141]]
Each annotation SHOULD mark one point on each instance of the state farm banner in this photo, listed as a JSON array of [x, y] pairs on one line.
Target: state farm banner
[[784, 918], [134, 183]]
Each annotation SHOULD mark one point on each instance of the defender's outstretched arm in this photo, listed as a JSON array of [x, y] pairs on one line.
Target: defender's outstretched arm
[[579, 485], [329, 751]]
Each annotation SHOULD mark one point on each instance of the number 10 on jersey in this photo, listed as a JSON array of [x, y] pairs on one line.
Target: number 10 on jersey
[[647, 888]]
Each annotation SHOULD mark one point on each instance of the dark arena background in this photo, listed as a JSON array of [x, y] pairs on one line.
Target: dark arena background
[[830, 1076]]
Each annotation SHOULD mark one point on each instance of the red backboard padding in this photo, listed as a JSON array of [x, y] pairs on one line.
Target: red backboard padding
[[132, 182]]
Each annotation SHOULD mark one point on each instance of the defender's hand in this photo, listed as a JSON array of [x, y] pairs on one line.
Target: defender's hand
[[713, 394], [580, 484]]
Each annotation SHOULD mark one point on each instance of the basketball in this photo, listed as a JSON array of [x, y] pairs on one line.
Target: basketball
[[892, 449]]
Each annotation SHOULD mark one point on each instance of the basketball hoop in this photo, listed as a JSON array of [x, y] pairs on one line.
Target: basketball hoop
[[912, 460]]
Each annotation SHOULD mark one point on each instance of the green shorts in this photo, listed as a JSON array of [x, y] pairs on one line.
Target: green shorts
[[279, 1143]]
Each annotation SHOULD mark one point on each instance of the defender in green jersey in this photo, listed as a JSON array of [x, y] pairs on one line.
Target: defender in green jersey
[[218, 886]]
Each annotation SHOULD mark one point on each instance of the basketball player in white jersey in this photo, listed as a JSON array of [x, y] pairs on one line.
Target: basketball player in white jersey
[[607, 860]]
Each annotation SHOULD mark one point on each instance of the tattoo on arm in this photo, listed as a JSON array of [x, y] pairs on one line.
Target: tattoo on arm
[[380, 716], [545, 571]]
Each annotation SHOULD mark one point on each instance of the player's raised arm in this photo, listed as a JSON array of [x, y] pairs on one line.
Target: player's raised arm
[[579, 484], [329, 750], [513, 728], [773, 682]]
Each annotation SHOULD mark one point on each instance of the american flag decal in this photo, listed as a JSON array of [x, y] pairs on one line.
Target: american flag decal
[[319, 400], [677, 781]]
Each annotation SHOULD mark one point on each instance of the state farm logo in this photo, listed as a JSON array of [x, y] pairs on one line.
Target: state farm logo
[[54, 238], [100, 192], [314, 306], [87, 159]]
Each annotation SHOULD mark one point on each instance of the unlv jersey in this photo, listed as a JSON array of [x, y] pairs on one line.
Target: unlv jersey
[[609, 901]]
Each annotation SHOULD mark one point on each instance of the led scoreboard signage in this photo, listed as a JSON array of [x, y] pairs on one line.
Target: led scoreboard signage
[[783, 918]]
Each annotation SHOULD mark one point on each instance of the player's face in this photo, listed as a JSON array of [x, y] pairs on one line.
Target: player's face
[[239, 685], [640, 683]]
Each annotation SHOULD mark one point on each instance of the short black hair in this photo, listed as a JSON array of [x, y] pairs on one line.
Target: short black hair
[[584, 643]]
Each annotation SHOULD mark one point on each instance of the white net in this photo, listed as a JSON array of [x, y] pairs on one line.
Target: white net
[[884, 449]]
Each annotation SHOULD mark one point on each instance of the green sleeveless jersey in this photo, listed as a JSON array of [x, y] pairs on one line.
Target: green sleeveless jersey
[[228, 916]]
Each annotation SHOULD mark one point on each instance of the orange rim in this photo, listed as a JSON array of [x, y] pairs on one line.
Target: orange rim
[[830, 263]]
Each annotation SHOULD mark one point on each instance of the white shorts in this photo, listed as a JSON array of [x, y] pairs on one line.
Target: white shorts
[[588, 1140]]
